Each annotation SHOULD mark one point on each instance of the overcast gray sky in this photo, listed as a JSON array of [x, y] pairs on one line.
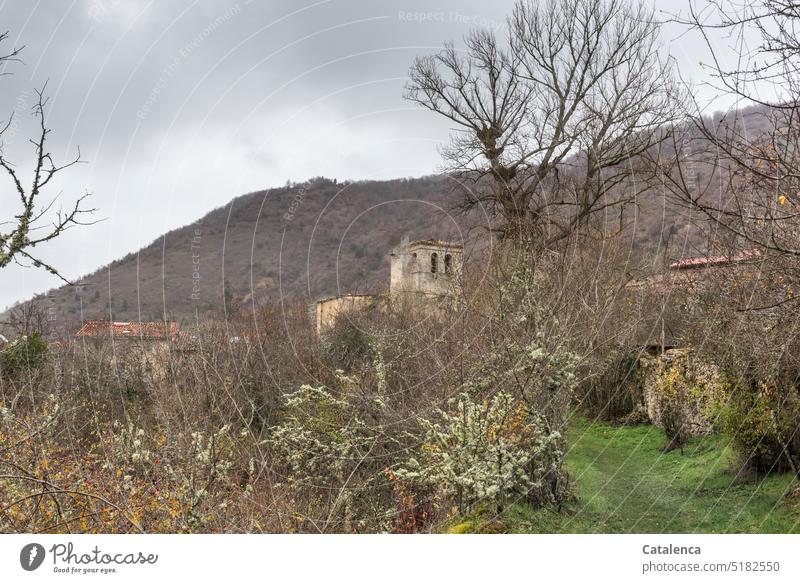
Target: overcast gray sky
[[179, 106]]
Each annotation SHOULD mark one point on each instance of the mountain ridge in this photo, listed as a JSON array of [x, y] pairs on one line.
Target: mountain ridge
[[302, 240]]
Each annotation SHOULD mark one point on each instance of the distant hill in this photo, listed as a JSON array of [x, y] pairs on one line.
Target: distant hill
[[312, 240], [306, 240]]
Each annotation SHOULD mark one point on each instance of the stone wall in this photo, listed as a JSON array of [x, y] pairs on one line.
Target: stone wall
[[677, 383], [328, 310]]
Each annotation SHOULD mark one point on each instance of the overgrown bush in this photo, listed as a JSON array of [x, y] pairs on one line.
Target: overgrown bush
[[325, 449], [24, 354], [746, 322], [491, 452], [763, 418], [132, 479], [681, 393]]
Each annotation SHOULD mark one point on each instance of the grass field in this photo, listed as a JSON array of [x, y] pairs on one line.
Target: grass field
[[624, 483]]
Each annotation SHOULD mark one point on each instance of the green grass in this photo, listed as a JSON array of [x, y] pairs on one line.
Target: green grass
[[625, 483]]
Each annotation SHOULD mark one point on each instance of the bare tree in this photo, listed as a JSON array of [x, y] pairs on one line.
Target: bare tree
[[28, 318], [749, 157], [35, 224], [549, 124], [741, 171]]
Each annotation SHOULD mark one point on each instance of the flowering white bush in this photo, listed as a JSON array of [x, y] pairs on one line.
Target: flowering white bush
[[488, 451], [130, 452], [318, 436], [324, 446], [193, 469]]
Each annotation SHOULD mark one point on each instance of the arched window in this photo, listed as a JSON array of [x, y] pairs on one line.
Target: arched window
[[434, 262], [448, 263]]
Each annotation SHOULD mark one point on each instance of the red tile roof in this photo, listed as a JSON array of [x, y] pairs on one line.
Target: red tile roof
[[141, 330], [684, 272], [696, 262]]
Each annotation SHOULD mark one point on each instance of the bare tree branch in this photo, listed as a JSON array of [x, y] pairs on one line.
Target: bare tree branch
[[750, 156], [28, 227], [550, 125]]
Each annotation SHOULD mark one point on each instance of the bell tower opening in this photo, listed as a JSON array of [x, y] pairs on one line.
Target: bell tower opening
[[429, 267]]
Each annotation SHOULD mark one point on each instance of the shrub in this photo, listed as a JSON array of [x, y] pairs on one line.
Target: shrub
[[492, 451], [763, 418], [133, 480], [461, 528], [681, 393], [24, 354], [673, 405], [324, 447]]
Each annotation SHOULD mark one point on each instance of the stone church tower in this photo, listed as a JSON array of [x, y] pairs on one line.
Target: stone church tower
[[422, 272], [428, 267]]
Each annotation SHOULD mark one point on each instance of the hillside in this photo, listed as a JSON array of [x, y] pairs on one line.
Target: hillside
[[304, 241], [319, 238]]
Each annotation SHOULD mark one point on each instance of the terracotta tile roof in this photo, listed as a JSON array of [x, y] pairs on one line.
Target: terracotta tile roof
[[685, 272], [141, 330], [716, 260]]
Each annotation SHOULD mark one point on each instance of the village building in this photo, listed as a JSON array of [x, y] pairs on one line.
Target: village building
[[673, 293], [691, 272], [145, 343], [142, 331], [421, 273]]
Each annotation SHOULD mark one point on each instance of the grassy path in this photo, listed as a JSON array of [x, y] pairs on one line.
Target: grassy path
[[625, 483]]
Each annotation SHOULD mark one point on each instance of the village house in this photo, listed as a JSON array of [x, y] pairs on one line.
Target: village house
[[675, 289], [141, 331], [147, 343], [692, 271]]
